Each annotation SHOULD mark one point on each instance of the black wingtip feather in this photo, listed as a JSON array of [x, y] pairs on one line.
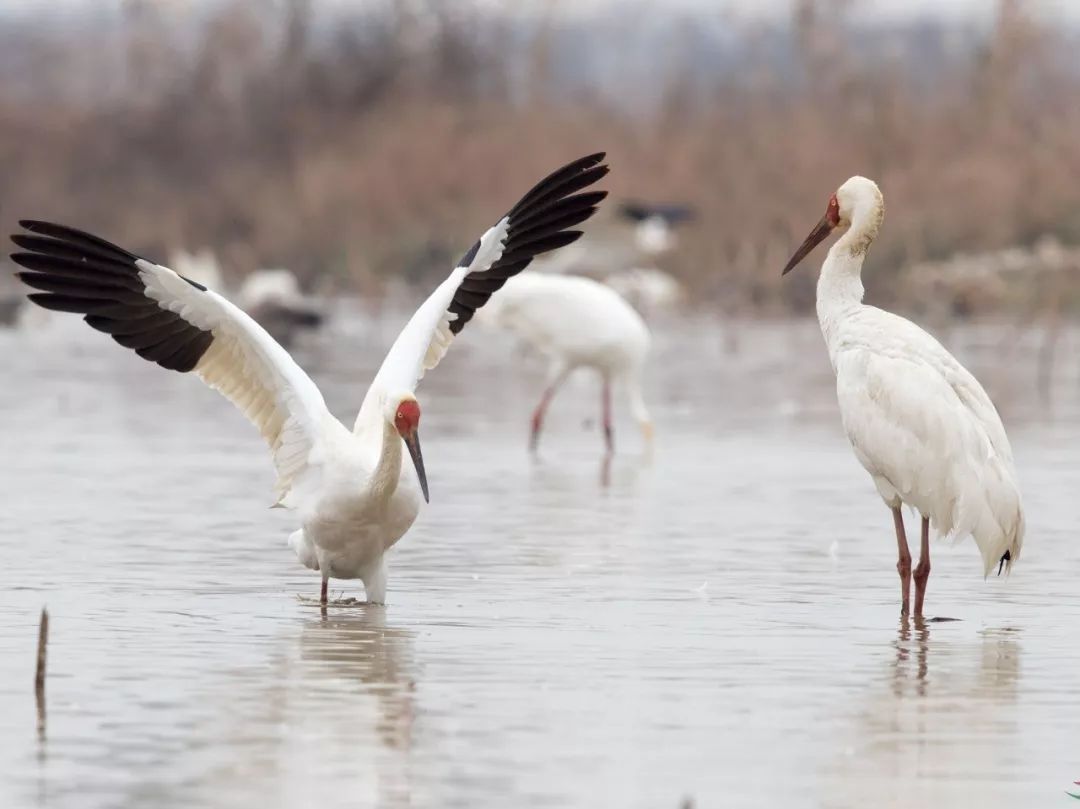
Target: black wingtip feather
[[75, 237], [1005, 557], [84, 274], [536, 224], [546, 244], [558, 188], [558, 176], [564, 220], [588, 199]]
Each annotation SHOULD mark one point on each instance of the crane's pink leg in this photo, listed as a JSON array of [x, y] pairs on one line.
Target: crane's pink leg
[[538, 417], [541, 409], [903, 562], [922, 570], [609, 430]]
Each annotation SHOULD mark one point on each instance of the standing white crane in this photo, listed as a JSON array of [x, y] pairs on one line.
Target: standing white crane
[[919, 422], [354, 496], [576, 322]]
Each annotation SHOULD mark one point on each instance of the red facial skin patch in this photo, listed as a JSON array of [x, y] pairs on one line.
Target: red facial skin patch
[[407, 418], [833, 213]]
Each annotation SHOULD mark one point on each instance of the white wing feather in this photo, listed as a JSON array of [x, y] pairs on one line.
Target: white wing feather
[[247, 366], [426, 337], [539, 222]]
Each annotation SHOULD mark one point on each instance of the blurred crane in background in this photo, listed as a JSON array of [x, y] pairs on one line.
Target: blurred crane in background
[[576, 322]]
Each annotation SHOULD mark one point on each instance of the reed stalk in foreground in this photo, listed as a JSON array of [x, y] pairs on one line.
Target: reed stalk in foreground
[[39, 674]]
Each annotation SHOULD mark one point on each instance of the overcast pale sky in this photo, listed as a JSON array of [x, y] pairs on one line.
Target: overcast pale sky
[[871, 8], [879, 9]]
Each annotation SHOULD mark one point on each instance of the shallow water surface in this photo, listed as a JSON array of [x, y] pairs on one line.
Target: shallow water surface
[[716, 622]]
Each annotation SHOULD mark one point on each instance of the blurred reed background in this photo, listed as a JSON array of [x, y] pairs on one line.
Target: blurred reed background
[[362, 142]]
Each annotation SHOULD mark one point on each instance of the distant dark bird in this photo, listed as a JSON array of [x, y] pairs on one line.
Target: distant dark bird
[[671, 213], [655, 223]]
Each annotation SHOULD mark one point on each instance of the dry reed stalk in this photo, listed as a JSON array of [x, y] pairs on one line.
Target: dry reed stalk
[[39, 674]]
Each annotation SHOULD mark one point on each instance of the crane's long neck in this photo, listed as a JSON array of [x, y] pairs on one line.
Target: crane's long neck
[[384, 479], [839, 287]]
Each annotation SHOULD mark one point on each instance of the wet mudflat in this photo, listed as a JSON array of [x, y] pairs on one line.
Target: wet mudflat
[[717, 621]]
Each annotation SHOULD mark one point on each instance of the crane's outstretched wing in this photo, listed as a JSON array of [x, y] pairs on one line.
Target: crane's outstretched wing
[[536, 224], [180, 325]]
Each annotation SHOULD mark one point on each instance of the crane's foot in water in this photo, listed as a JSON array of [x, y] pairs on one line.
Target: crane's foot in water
[[341, 601], [919, 622]]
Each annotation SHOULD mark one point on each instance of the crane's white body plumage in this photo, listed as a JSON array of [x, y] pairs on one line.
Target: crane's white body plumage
[[573, 319], [918, 421], [577, 322], [360, 500], [354, 495]]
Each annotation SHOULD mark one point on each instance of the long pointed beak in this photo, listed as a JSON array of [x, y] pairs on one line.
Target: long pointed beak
[[412, 441], [816, 237]]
